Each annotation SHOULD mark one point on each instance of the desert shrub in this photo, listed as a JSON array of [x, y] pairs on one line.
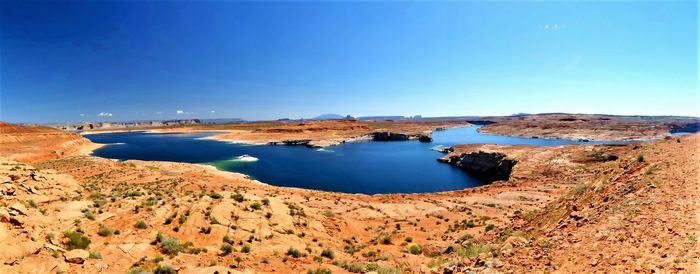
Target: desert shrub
[[355, 267], [473, 250], [489, 227], [76, 240], [215, 195], [237, 197], [328, 254], [226, 248], [105, 231], [385, 239], [319, 271], [245, 249], [640, 158], [268, 215], [580, 188], [170, 246], [409, 239], [141, 225], [165, 269], [228, 240], [95, 255], [170, 218], [415, 249], [138, 270], [295, 253], [471, 223], [256, 206]]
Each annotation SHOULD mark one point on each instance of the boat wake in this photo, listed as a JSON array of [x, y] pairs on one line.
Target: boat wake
[[244, 158]]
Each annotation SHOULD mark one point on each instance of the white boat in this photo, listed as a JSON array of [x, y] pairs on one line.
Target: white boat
[[245, 158]]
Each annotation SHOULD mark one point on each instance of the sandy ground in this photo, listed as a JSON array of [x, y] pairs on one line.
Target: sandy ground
[[563, 210]]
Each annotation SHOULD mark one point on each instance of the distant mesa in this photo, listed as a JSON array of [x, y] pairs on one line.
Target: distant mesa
[[331, 116], [129, 124], [222, 120]]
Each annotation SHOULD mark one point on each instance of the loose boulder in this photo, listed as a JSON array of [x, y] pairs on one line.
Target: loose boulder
[[76, 256]]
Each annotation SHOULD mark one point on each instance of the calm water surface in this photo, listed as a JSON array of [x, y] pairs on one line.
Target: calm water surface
[[362, 167]]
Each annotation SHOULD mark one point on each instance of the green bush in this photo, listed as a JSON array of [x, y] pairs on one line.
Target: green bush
[[319, 271], [228, 240], [256, 206], [226, 248], [295, 253], [640, 158], [105, 231], [328, 254], [95, 255], [245, 249], [76, 240], [141, 225], [165, 269], [238, 197], [415, 249], [170, 246], [385, 239]]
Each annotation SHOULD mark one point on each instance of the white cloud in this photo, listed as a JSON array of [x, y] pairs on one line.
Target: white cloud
[[180, 112], [159, 112], [557, 26], [82, 115], [213, 111], [104, 114]]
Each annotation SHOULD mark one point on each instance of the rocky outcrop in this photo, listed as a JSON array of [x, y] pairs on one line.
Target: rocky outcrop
[[302, 142], [389, 136], [489, 166], [76, 256], [424, 138], [685, 128]]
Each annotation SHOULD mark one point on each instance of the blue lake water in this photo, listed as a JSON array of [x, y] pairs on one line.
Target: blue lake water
[[361, 167]]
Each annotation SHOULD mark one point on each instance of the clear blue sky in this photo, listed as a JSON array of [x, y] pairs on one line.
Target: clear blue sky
[[151, 60]]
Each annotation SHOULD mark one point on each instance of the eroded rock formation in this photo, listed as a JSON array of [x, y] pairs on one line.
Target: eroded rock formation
[[424, 138], [490, 166], [389, 136]]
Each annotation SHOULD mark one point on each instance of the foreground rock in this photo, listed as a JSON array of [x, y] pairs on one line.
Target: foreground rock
[[76, 256]]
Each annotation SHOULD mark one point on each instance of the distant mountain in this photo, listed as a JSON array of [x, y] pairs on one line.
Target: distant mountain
[[329, 116]]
